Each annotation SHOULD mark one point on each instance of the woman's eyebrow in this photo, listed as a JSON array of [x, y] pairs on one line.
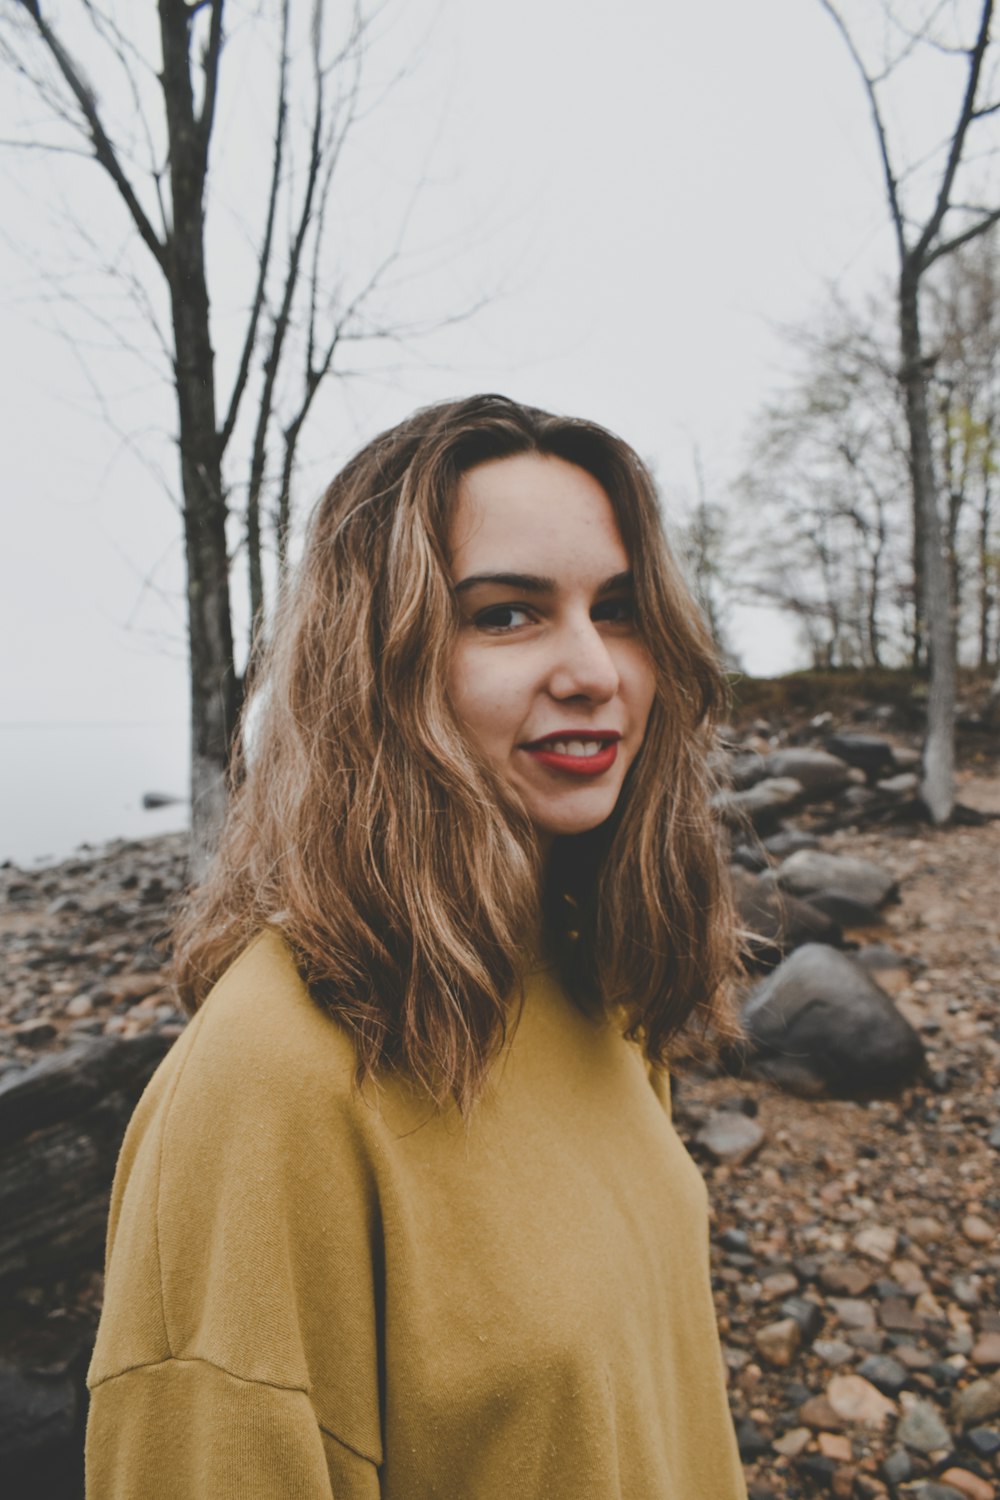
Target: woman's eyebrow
[[616, 582], [530, 583], [533, 583]]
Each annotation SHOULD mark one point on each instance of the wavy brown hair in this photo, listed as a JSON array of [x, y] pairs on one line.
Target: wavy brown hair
[[368, 830]]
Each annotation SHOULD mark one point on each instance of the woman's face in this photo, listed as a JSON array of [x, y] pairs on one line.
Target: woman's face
[[549, 676]]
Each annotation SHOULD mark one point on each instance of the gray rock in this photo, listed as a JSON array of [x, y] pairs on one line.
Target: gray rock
[[806, 1313], [898, 1467], [820, 1023], [921, 1428], [834, 1352], [856, 798], [977, 1403], [810, 870], [851, 1312], [820, 773], [761, 805], [788, 840], [869, 752], [878, 956], [746, 769], [730, 1137], [983, 1441], [885, 1372], [905, 784], [778, 921], [844, 909]]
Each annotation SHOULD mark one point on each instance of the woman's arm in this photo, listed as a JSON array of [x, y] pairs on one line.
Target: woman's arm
[[237, 1353]]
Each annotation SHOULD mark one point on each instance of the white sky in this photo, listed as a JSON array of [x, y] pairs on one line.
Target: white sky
[[654, 188]]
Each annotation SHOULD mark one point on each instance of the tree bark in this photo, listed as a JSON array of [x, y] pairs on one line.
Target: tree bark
[[214, 690], [986, 563], [939, 754]]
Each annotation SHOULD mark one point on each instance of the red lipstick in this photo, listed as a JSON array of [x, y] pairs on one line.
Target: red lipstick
[[577, 752]]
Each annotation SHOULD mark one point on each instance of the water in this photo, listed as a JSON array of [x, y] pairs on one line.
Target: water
[[62, 785]]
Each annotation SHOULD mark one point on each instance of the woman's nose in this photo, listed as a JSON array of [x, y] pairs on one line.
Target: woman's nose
[[582, 665]]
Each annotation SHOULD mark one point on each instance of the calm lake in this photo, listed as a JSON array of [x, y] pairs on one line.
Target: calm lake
[[62, 785]]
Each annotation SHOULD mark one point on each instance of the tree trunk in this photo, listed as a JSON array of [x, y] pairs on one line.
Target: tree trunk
[[872, 621], [938, 788], [213, 679], [986, 562]]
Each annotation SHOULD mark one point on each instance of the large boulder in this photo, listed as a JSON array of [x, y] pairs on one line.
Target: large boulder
[[746, 768], [810, 870], [820, 773], [776, 922], [869, 752], [842, 907], [762, 805], [820, 1024], [787, 840]]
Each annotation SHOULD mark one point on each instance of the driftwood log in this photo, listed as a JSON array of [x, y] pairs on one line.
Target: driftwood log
[[61, 1127]]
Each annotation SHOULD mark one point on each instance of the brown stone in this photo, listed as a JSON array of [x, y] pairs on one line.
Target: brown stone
[[780, 1284], [845, 1278], [842, 1483], [969, 1484], [896, 1314], [986, 1351], [908, 1275], [858, 1402], [779, 1342], [977, 1231], [132, 987], [835, 1445], [925, 1230], [852, 1313], [818, 1414], [913, 1358], [793, 1442], [877, 1241]]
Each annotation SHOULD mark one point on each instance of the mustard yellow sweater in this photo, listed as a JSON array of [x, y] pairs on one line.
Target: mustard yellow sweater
[[313, 1292]]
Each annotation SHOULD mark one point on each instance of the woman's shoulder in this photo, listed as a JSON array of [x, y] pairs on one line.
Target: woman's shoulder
[[259, 1027]]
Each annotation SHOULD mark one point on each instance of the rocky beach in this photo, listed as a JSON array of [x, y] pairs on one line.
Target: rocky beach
[[851, 1145]]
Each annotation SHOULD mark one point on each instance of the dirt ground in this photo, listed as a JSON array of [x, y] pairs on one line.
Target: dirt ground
[[905, 1193], [857, 1244]]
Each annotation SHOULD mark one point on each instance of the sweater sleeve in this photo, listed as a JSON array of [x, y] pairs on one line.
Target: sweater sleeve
[[186, 1430], [238, 1351]]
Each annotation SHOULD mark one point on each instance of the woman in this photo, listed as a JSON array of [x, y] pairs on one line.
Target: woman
[[402, 1215]]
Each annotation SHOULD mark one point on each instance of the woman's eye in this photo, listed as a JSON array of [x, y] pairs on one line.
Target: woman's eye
[[503, 617], [618, 611]]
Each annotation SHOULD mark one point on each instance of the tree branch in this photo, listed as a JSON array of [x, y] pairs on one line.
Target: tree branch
[[972, 233], [978, 52], [891, 185], [210, 64], [264, 258], [103, 149]]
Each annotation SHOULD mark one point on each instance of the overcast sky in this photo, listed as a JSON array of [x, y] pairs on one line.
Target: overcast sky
[[646, 192]]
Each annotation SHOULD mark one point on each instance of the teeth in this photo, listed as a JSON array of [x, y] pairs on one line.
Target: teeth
[[579, 748]]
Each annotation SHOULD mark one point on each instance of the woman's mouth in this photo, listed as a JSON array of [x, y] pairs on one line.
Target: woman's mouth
[[576, 754]]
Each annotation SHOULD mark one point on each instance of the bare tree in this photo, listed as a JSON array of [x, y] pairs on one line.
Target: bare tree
[[300, 308], [965, 330], [824, 497], [703, 539], [922, 240]]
